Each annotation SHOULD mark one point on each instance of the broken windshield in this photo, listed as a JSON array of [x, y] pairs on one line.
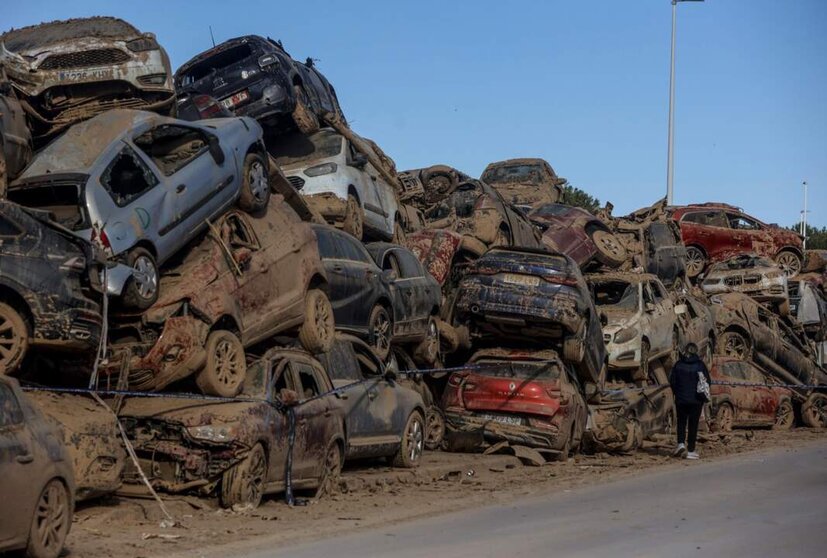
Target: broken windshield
[[531, 174], [519, 369], [616, 295]]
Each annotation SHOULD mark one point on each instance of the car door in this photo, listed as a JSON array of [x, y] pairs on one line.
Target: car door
[[744, 230], [19, 478], [417, 291], [281, 378], [740, 394], [383, 404], [711, 230], [374, 193], [764, 401], [364, 283], [312, 415]]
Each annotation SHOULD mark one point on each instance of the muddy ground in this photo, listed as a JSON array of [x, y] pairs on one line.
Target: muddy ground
[[371, 495]]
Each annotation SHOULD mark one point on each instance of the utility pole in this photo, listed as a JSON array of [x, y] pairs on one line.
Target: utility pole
[[804, 216]]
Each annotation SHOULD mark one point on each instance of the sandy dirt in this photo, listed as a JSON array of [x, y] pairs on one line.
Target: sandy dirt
[[371, 495]]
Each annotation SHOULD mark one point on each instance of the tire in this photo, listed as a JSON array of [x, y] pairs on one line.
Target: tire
[[332, 468], [14, 339], [434, 429], [243, 484], [814, 411], [789, 262], [51, 522], [563, 456], [398, 232], [380, 330], [784, 416], [695, 261], [316, 333], [723, 419], [610, 252], [784, 308], [306, 120], [574, 350], [413, 442], [439, 182], [734, 344], [226, 366], [255, 184], [427, 352], [674, 353], [142, 288], [354, 218]]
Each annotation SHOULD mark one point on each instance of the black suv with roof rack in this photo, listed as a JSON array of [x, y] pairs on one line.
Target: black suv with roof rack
[[253, 76]]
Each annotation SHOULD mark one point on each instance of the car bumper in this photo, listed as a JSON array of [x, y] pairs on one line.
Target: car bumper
[[274, 101], [71, 328], [329, 205], [480, 430], [624, 355]]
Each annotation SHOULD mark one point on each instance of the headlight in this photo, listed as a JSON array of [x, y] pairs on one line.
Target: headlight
[[319, 170], [142, 44], [625, 334], [213, 433]]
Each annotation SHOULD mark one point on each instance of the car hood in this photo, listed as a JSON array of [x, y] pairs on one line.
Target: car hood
[[188, 412]]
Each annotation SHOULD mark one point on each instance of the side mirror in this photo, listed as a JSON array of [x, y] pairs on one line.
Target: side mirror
[[215, 150], [359, 161], [680, 309], [650, 307], [289, 397], [389, 275]]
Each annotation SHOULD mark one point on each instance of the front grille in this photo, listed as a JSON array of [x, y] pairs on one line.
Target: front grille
[[88, 110], [296, 182], [752, 279], [85, 59], [732, 281]]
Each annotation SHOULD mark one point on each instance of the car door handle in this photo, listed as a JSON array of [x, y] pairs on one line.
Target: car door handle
[[26, 458], [338, 268], [371, 395], [181, 187], [327, 413], [342, 396]]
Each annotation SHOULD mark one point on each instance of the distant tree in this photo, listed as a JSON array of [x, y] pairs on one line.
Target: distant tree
[[578, 198], [816, 238]]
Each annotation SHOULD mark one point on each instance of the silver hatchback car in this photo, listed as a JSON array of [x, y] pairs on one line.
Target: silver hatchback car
[[142, 186]]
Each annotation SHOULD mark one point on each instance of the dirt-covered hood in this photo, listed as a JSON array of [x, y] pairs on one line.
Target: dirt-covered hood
[[189, 412]]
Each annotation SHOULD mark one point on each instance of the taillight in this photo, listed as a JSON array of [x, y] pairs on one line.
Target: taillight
[[206, 106]]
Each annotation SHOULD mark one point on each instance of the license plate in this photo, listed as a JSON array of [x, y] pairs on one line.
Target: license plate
[[505, 419], [517, 279], [233, 100]]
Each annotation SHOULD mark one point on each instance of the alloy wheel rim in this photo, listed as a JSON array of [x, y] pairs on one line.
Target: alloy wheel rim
[[784, 415], [255, 477], [258, 181], [415, 440], [789, 264], [227, 363], [11, 340], [694, 261], [50, 516], [322, 319], [734, 345], [380, 331], [146, 277]]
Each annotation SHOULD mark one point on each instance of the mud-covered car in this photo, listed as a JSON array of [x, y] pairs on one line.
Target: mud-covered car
[[427, 385], [640, 323], [67, 71], [714, 232], [15, 137], [383, 417], [743, 395], [578, 234], [90, 434], [526, 183], [340, 182], [250, 278], [36, 478], [256, 77], [524, 397], [696, 325], [50, 289], [630, 411], [752, 275], [142, 186], [239, 449], [530, 295], [809, 306]]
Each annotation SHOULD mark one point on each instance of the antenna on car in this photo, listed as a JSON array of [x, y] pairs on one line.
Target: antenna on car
[[212, 37]]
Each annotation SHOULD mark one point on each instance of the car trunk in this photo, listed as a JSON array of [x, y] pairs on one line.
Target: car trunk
[[486, 394], [60, 195]]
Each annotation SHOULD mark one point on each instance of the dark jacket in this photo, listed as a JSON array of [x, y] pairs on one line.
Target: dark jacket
[[684, 380]]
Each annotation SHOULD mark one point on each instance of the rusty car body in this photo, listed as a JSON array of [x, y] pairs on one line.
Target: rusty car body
[[228, 292], [578, 234], [15, 136], [714, 232], [521, 396], [67, 71], [743, 395], [239, 449], [383, 417], [50, 289], [752, 275], [525, 182], [90, 434], [36, 478], [530, 295]]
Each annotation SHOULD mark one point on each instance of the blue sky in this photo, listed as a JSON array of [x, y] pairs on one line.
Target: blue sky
[[583, 84]]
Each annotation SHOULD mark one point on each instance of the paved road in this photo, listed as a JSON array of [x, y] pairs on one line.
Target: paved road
[[763, 504]]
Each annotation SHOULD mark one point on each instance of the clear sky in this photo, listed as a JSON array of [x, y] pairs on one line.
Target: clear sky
[[581, 83]]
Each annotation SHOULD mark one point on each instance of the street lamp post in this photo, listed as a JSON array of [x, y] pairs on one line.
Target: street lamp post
[[804, 217], [671, 142]]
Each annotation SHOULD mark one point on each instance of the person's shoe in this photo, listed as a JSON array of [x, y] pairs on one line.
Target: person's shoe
[[680, 451], [693, 455]]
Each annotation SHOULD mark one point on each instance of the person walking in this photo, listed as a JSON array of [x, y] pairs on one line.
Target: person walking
[[690, 397]]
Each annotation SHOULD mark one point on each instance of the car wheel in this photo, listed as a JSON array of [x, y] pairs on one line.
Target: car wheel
[[642, 373], [316, 333], [695, 261], [734, 344], [610, 252], [723, 419], [306, 120], [380, 328], [574, 350], [439, 182], [226, 366], [814, 411], [141, 290], [243, 484], [789, 262], [784, 415], [354, 218], [255, 184], [434, 429], [398, 232], [563, 456], [329, 480], [413, 442], [427, 352], [14, 339], [51, 522]]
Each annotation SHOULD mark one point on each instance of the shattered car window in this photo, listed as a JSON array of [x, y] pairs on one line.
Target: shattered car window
[[310, 387], [127, 178], [10, 412], [216, 62], [616, 294], [741, 262], [297, 148], [172, 147], [515, 173], [520, 369], [709, 218], [741, 223], [462, 201]]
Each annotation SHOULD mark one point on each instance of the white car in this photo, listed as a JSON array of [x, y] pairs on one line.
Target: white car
[[340, 183]]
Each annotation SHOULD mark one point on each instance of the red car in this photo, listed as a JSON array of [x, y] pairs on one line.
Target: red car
[[713, 232], [524, 397], [757, 403]]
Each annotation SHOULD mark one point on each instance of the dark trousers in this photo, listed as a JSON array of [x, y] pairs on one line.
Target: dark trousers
[[689, 414]]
